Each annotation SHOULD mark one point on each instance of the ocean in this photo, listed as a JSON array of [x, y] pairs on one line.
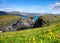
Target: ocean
[[35, 17]]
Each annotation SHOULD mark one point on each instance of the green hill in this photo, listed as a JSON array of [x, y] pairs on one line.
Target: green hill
[[50, 34], [46, 20], [7, 19], [51, 18]]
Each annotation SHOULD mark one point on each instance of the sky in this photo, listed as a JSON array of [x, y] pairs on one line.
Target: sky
[[31, 6]]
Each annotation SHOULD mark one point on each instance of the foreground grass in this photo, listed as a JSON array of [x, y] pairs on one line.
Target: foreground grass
[[50, 34], [7, 19]]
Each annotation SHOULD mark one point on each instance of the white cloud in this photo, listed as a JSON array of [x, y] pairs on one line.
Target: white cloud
[[5, 9], [55, 6], [55, 12], [8, 9], [34, 9]]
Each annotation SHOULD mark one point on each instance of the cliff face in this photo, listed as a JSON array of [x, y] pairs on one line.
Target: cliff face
[[39, 22], [46, 20]]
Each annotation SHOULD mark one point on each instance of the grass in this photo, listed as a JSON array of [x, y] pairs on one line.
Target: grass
[[51, 19], [50, 34], [7, 19]]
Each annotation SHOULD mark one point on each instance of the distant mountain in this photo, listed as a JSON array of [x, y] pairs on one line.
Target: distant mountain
[[34, 14], [17, 13], [3, 13], [24, 14]]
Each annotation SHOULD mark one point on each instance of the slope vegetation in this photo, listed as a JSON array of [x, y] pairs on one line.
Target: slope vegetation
[[50, 34], [46, 20], [52, 19], [7, 19]]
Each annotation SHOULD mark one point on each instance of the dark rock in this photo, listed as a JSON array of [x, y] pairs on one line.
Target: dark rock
[[39, 22]]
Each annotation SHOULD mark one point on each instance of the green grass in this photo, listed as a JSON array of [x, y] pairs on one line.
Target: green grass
[[50, 34], [7, 19], [51, 19]]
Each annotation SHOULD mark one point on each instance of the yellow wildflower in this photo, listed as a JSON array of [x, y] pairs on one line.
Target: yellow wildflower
[[51, 33], [33, 38], [41, 41]]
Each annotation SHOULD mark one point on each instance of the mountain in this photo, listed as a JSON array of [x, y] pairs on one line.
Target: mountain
[[17, 13], [3, 13], [24, 13]]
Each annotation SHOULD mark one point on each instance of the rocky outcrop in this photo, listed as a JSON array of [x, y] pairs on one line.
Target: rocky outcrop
[[39, 22], [21, 24]]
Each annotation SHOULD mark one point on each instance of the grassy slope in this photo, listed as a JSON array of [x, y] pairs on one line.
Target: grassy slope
[[7, 19], [50, 34], [52, 19]]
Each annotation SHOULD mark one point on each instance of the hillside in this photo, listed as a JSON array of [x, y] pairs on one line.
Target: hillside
[[7, 19], [50, 34], [51, 19], [46, 20], [3, 13]]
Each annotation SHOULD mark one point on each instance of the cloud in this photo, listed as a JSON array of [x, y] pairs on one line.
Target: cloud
[[8, 9], [19, 10], [55, 6], [33, 9], [5, 9]]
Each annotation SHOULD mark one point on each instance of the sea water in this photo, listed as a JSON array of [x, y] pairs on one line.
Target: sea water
[[35, 17]]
